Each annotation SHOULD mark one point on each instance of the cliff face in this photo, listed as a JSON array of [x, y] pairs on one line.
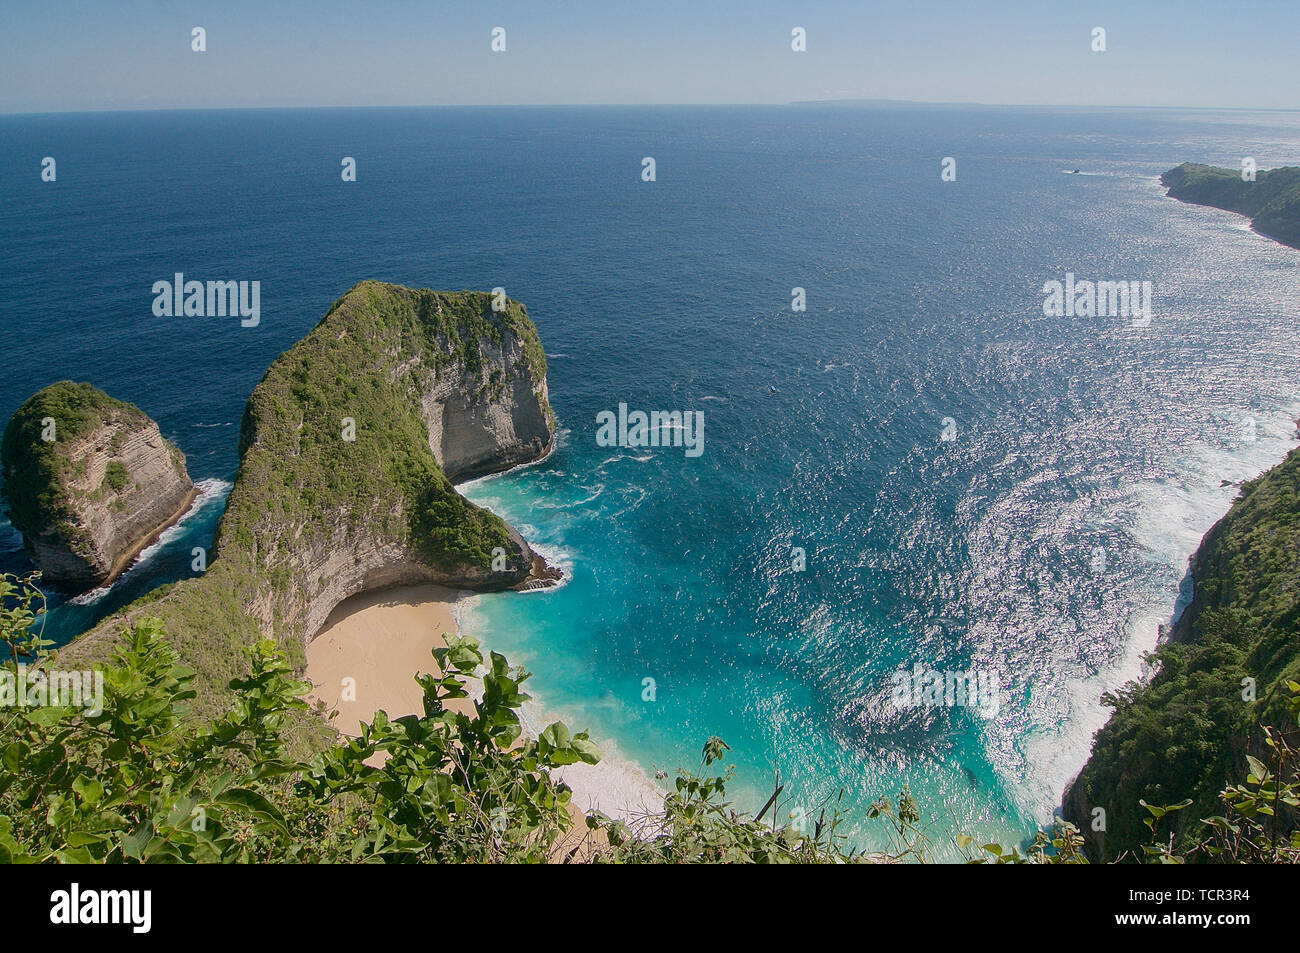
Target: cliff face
[[347, 448], [1272, 199], [1185, 734], [473, 431], [89, 480], [349, 441]]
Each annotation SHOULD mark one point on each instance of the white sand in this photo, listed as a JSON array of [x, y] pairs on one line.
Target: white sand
[[381, 641]]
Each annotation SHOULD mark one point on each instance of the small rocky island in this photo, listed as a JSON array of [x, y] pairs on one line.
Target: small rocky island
[[1272, 200], [348, 449], [89, 482]]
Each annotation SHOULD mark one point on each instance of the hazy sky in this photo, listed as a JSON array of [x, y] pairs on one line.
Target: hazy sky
[[135, 54]]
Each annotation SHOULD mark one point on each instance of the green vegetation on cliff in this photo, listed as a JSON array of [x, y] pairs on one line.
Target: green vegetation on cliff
[[33, 453], [335, 469], [1186, 734], [334, 428], [1272, 200]]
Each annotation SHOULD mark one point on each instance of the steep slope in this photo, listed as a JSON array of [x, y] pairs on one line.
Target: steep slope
[[89, 480], [1185, 734], [341, 486]]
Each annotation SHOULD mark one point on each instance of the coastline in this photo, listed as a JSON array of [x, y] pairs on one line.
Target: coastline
[[1232, 467], [1187, 183], [617, 786], [383, 639], [205, 492], [125, 561], [1178, 516]]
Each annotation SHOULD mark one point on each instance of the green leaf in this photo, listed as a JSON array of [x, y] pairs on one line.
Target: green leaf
[[89, 789], [250, 802], [82, 838], [587, 750], [1258, 773], [133, 844]]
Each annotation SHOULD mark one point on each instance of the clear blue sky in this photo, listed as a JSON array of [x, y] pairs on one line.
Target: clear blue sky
[[135, 54]]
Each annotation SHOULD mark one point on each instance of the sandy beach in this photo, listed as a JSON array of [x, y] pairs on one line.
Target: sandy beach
[[381, 640]]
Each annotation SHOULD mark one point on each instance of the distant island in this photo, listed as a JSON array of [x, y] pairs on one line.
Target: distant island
[[1272, 200]]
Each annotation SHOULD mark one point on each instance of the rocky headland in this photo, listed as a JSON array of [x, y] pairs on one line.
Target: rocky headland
[[1271, 200], [348, 449]]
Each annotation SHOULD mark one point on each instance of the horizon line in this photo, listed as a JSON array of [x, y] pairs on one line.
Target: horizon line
[[698, 105]]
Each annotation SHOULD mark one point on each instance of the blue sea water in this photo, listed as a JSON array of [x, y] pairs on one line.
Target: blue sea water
[[823, 430]]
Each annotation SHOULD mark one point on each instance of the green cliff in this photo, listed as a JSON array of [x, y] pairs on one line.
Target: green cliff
[[89, 480], [1272, 200], [348, 448], [1186, 733]]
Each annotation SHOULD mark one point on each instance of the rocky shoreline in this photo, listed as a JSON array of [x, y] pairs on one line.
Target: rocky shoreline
[[542, 576], [128, 557]]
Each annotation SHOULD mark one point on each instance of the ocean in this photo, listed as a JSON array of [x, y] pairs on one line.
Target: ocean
[[922, 468]]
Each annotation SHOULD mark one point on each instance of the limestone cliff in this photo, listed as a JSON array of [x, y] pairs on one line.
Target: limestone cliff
[[89, 481], [483, 425], [347, 450]]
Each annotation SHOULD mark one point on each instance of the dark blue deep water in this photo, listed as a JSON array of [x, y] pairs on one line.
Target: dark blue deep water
[[824, 429]]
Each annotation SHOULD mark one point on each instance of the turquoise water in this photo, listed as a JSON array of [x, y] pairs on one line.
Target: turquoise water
[[824, 430]]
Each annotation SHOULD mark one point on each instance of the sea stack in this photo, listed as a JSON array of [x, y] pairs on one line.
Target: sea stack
[[89, 482]]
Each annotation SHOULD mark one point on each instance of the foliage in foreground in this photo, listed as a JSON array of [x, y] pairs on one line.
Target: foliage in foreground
[[142, 780]]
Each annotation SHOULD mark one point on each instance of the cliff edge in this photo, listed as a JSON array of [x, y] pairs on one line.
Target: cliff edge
[[1186, 732], [89, 481], [1272, 200], [348, 447]]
